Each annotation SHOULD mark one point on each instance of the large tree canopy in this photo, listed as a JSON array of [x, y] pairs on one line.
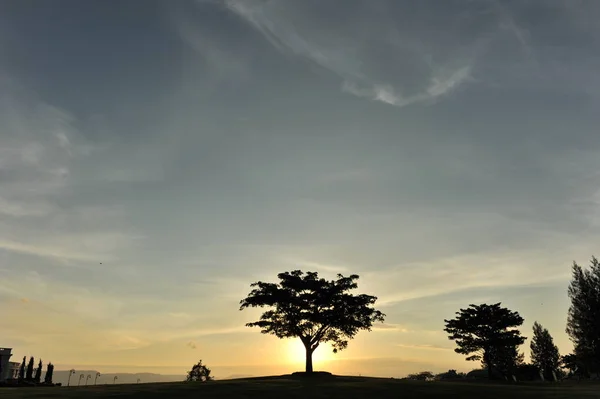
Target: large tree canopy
[[583, 323], [312, 308], [487, 333]]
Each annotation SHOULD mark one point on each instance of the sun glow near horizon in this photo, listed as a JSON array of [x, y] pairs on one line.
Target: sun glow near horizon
[[296, 354]]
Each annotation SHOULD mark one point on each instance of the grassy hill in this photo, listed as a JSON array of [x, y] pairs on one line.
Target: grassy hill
[[334, 387]]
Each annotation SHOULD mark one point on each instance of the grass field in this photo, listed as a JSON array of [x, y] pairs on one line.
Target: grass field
[[335, 387]]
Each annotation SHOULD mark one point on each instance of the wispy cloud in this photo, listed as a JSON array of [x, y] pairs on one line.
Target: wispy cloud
[[387, 327], [439, 86], [38, 160], [425, 347], [345, 54]]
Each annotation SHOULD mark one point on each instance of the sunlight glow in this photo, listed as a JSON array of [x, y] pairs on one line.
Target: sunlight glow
[[296, 353]]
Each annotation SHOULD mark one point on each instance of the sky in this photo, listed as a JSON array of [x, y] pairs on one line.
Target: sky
[[157, 157]]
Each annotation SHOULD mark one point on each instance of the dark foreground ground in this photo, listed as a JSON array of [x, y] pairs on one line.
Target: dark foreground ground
[[334, 387]]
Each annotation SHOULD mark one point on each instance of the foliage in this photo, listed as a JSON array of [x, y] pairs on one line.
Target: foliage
[[22, 369], [38, 373], [422, 376], [450, 375], [487, 333], [312, 308], [199, 372], [574, 365], [583, 322], [507, 359], [49, 373], [544, 354]]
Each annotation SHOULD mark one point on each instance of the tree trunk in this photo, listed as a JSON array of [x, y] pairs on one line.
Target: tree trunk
[[309, 364], [488, 363]]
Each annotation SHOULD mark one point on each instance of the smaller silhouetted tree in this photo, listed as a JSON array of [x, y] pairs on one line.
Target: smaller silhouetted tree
[[544, 354], [199, 372], [49, 372], [22, 369], [38, 373], [487, 333]]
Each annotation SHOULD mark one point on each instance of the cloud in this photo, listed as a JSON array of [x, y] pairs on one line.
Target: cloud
[[191, 345], [385, 63], [424, 346], [19, 209], [439, 86], [460, 273], [41, 153], [387, 327], [48, 251]]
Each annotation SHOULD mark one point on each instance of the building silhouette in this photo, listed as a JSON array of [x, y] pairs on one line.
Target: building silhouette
[[8, 370]]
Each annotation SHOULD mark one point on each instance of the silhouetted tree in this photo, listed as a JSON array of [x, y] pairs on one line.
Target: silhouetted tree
[[312, 308], [199, 372], [49, 373], [544, 354], [486, 333], [583, 323], [38, 373], [22, 370], [29, 372]]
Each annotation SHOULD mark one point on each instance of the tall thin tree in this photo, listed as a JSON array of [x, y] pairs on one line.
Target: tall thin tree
[[29, 372], [38, 373], [49, 372], [22, 369], [544, 354], [583, 322]]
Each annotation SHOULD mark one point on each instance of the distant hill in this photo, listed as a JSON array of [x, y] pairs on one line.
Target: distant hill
[[62, 376]]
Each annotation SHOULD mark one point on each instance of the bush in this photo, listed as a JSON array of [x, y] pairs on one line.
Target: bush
[[450, 375], [422, 376]]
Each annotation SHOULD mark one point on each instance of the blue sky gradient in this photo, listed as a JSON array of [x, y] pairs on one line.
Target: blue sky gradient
[[157, 157]]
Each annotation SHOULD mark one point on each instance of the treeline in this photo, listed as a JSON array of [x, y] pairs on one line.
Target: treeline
[[30, 374], [490, 334]]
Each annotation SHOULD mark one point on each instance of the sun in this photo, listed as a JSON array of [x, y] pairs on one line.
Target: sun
[[296, 354]]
